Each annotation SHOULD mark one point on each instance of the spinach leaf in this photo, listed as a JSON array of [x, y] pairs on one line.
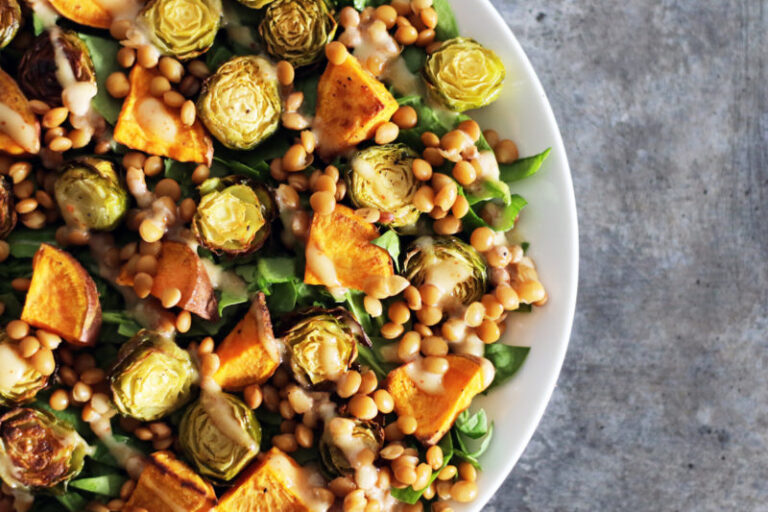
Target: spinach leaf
[[104, 56], [488, 189], [25, 242], [259, 171], [407, 494], [228, 298], [182, 173], [473, 426], [414, 57], [504, 216], [506, 359], [72, 501], [463, 452], [126, 325], [12, 307], [106, 485], [523, 167], [390, 242], [447, 28]]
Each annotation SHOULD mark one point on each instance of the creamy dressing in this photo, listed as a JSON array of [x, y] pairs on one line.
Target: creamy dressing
[[22, 500], [322, 266], [397, 74], [428, 382], [223, 279], [486, 165], [470, 345], [153, 117], [302, 481], [220, 412], [13, 368], [24, 134]]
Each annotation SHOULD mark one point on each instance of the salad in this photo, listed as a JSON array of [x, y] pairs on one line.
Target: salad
[[254, 255]]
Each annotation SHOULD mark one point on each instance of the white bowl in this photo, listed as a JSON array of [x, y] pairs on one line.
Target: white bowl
[[524, 115]]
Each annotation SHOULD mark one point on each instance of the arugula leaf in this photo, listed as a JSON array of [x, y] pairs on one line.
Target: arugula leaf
[[407, 494], [447, 28], [390, 242], [25, 242], [260, 171], [473, 426], [104, 56], [228, 298], [283, 297], [523, 167], [506, 359], [277, 270], [106, 485]]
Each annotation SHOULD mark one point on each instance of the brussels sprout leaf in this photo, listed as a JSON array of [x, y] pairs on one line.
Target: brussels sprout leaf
[[523, 167], [106, 485], [506, 359], [390, 242]]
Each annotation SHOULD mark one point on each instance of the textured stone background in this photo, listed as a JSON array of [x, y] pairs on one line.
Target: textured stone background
[[663, 400]]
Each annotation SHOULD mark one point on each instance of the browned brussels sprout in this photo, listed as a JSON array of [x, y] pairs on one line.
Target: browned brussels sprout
[[8, 215]]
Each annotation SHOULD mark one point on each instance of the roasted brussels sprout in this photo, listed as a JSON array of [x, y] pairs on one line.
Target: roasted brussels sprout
[[297, 30], [8, 214], [322, 343], [462, 74], [333, 451], [240, 103], [451, 265], [10, 21], [19, 381], [37, 75], [234, 215], [182, 28], [256, 4], [90, 194], [220, 434], [38, 450], [382, 178], [152, 377]]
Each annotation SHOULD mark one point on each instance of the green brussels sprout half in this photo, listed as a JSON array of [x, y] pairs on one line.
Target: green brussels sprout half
[[382, 178], [19, 381], [8, 214], [462, 74], [365, 434], [297, 30], [240, 103], [454, 267], [10, 21], [90, 195], [38, 451], [184, 29], [152, 377], [234, 215], [220, 434], [322, 343], [37, 69]]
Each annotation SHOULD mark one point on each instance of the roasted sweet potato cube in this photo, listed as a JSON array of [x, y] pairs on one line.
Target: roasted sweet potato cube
[[19, 128], [62, 297], [274, 482], [168, 485], [147, 124], [351, 105], [345, 239], [436, 407], [86, 12], [249, 354]]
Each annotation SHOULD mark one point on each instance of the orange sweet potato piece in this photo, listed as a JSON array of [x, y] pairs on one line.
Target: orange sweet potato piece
[[351, 105], [147, 124], [436, 410], [19, 128], [167, 485], [85, 12], [62, 297], [249, 354], [345, 239], [274, 482]]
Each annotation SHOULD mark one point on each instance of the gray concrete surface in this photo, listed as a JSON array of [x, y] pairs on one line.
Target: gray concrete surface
[[663, 400]]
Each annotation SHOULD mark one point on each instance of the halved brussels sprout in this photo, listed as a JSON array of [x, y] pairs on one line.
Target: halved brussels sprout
[[234, 215], [256, 4], [220, 434], [182, 28], [19, 381], [451, 265], [38, 451], [365, 434], [90, 195], [240, 103], [37, 71], [382, 178], [152, 377], [297, 30], [10, 21], [8, 214], [322, 343], [462, 74]]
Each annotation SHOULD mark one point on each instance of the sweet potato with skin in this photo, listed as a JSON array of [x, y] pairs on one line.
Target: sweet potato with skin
[[274, 482], [435, 412], [168, 485], [178, 266], [84, 12], [62, 297], [19, 128], [147, 124], [351, 105], [249, 354], [345, 239]]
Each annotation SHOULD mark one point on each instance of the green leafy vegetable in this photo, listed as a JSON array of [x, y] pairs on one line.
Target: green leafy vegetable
[[231, 298], [523, 167], [25, 242], [473, 426], [506, 359], [104, 56], [447, 28], [126, 325], [72, 501], [106, 485], [407, 494], [259, 172], [463, 452], [390, 242]]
